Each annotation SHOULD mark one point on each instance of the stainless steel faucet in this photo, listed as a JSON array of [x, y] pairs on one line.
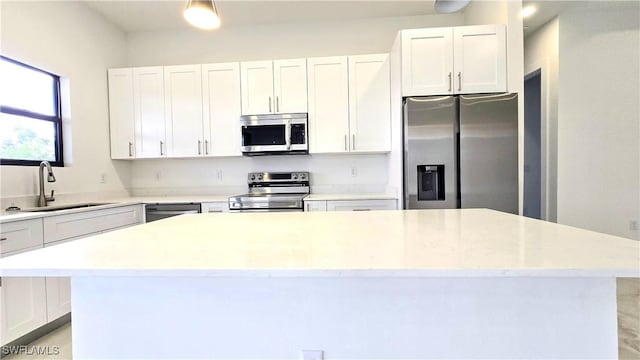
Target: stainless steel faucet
[[43, 199]]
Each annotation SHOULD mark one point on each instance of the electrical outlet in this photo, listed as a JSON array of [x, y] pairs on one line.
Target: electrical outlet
[[633, 225], [157, 175], [219, 175], [311, 355], [103, 178], [354, 171]]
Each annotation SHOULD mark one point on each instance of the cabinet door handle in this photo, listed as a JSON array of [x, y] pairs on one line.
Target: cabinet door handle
[[3, 239], [269, 103], [199, 147], [459, 81], [353, 141], [361, 210], [345, 142], [161, 150], [130, 151], [277, 104], [206, 147], [450, 81]]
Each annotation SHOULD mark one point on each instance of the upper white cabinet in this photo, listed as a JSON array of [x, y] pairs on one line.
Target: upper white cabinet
[[121, 121], [221, 109], [369, 103], [148, 103], [183, 110], [349, 104], [328, 104], [459, 60], [480, 59], [274, 86]]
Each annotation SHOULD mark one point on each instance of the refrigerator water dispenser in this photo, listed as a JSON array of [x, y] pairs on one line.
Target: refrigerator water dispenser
[[431, 182]]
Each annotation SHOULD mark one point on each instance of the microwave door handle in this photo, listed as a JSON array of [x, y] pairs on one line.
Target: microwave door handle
[[287, 134]]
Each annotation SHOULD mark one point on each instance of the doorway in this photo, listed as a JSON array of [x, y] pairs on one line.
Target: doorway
[[532, 146]]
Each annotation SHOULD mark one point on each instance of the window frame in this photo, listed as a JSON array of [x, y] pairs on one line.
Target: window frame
[[55, 119]]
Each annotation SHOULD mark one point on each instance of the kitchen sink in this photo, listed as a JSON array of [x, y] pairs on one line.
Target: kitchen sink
[[63, 207]]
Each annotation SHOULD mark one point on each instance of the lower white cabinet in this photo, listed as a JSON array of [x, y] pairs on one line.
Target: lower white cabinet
[[23, 306], [18, 236], [350, 205], [58, 297], [215, 207]]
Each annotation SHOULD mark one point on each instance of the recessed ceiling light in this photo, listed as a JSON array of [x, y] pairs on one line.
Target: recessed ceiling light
[[529, 10]]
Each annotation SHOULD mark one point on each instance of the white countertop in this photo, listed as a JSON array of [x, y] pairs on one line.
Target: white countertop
[[313, 197], [470, 242]]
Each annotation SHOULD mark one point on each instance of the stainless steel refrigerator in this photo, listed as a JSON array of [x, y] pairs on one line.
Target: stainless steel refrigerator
[[461, 152]]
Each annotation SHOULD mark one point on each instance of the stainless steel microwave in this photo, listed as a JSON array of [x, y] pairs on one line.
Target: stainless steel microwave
[[274, 134]]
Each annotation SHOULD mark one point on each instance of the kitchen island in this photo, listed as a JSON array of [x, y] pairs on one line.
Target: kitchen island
[[387, 284]]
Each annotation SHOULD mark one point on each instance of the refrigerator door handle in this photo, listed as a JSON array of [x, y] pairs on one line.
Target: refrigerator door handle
[[450, 81], [459, 81]]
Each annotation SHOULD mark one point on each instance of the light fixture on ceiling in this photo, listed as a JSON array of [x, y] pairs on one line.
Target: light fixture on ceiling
[[202, 14], [529, 10], [450, 6]]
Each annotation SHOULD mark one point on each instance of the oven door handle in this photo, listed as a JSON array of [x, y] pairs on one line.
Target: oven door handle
[[287, 134]]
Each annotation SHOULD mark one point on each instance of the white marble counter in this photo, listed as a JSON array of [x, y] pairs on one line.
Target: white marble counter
[[470, 242], [378, 196]]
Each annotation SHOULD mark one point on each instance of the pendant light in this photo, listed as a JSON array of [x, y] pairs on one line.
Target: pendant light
[[202, 14], [450, 6]]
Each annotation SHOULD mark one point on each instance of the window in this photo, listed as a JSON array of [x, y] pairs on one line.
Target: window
[[30, 121]]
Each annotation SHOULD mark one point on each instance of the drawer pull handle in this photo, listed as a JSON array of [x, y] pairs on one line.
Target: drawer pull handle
[[3, 239], [361, 209]]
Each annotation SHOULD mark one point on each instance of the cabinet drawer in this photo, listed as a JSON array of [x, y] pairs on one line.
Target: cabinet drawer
[[315, 205], [61, 227], [361, 205], [20, 235], [215, 207]]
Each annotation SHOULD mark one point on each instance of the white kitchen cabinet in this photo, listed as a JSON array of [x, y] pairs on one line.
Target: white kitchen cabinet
[[361, 205], [455, 60], [221, 108], [183, 111], [61, 227], [148, 103], [23, 306], [58, 294], [121, 113], [427, 61], [290, 85], [369, 103], [215, 207], [315, 205], [18, 236], [328, 94], [480, 59], [269, 87]]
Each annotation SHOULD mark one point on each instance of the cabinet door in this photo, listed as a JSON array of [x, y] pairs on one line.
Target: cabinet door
[[315, 205], [221, 109], [427, 62], [480, 59], [58, 297], [257, 87], [369, 103], [148, 104], [361, 205], [23, 306], [290, 85], [328, 104], [121, 123], [183, 110]]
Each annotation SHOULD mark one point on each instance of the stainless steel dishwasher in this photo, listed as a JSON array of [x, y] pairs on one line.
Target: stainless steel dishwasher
[[160, 211]]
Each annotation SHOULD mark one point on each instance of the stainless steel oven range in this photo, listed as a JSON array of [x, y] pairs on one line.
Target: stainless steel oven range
[[272, 191]]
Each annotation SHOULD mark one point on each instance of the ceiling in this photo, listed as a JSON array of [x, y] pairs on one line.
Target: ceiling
[[156, 15]]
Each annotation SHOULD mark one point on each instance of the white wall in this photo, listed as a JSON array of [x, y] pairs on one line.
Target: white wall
[[599, 119], [541, 52], [70, 40], [329, 172]]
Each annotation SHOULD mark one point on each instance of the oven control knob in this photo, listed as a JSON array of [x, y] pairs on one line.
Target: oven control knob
[[295, 176], [253, 177], [302, 176], [259, 177]]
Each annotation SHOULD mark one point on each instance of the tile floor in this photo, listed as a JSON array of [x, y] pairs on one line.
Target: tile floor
[[628, 327]]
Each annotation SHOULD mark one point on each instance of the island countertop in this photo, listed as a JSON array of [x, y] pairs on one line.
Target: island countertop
[[440, 243]]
